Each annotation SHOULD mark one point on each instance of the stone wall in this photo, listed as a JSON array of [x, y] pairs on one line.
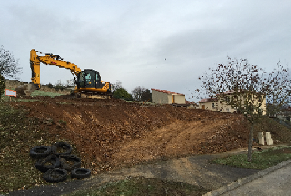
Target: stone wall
[[12, 84]]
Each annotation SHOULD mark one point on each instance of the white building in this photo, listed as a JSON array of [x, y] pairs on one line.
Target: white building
[[167, 97]]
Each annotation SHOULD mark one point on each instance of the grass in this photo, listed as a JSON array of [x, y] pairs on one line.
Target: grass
[[18, 134], [43, 93], [142, 186], [260, 159]]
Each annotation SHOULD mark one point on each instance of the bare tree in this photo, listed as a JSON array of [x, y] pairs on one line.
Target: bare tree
[[70, 83], [117, 85], [8, 64], [246, 88], [8, 67], [278, 92], [138, 92]]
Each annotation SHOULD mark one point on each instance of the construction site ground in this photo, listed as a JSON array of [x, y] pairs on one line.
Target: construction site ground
[[112, 135]]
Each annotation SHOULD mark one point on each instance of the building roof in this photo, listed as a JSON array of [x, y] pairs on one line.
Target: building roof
[[208, 100], [168, 92]]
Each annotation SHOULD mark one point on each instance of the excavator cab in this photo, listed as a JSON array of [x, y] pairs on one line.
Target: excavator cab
[[89, 83], [89, 79]]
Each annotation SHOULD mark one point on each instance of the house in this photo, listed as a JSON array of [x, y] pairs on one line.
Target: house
[[167, 97], [215, 104], [209, 104]]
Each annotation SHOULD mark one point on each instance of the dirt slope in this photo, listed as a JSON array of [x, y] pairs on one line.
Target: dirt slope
[[113, 133]]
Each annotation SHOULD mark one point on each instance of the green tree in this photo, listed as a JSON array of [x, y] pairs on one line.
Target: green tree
[[121, 93], [244, 87], [8, 67]]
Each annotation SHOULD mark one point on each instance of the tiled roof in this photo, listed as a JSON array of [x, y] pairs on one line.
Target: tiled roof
[[168, 92]]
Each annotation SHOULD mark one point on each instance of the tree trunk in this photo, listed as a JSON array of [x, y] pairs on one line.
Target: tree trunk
[[2, 85], [250, 143]]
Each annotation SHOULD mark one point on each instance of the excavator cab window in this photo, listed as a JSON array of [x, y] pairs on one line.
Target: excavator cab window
[[80, 80], [89, 79], [86, 79]]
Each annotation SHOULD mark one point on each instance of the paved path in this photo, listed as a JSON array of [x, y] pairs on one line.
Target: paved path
[[271, 181], [275, 183]]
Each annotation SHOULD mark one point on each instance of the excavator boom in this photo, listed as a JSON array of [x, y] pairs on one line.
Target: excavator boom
[[48, 59]]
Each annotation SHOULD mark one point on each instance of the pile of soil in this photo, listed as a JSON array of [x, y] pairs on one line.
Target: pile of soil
[[113, 133]]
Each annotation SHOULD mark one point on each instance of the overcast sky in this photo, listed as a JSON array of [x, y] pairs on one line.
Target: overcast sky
[[162, 44]]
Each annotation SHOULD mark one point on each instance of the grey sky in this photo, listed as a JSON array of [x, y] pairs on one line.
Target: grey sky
[[128, 40]]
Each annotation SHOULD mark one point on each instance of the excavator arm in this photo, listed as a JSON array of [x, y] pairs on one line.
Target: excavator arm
[[48, 59]]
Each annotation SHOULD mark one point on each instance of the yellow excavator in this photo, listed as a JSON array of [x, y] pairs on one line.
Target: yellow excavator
[[88, 82]]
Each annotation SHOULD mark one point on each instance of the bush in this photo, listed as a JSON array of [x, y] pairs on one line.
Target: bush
[[121, 93], [50, 85]]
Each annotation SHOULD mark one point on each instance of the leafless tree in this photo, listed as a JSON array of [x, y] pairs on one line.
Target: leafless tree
[[138, 92], [245, 87], [117, 85], [8, 67], [8, 64]]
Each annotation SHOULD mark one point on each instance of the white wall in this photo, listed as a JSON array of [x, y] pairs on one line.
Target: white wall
[[180, 99], [160, 97]]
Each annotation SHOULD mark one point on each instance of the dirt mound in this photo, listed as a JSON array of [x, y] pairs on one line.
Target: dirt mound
[[111, 133]]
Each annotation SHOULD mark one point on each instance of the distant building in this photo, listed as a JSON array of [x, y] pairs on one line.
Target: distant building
[[214, 104], [167, 97]]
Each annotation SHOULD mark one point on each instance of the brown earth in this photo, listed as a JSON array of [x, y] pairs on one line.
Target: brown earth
[[111, 133]]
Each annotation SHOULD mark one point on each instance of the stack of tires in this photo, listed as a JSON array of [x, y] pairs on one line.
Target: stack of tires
[[56, 166]]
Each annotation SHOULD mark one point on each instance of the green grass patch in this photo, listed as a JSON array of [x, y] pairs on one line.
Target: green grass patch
[[142, 186], [260, 159], [43, 93]]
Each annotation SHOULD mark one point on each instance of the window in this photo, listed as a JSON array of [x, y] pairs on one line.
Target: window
[[88, 76], [213, 106]]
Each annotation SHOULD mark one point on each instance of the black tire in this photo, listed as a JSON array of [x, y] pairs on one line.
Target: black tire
[[55, 175], [81, 173], [42, 166], [67, 147], [71, 158], [40, 151]]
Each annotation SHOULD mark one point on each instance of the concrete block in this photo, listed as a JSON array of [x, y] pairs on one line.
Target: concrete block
[[269, 142], [261, 138], [269, 139]]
